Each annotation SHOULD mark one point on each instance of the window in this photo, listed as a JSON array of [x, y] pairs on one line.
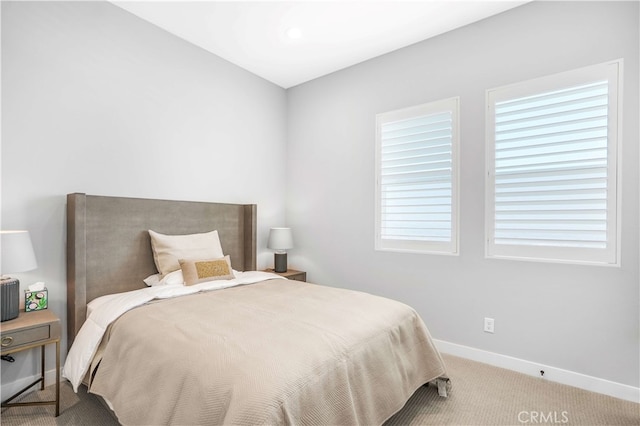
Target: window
[[417, 178], [552, 167]]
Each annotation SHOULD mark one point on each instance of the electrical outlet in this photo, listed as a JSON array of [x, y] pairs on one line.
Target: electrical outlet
[[488, 325]]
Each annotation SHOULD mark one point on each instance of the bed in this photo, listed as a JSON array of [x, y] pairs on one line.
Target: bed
[[251, 349]]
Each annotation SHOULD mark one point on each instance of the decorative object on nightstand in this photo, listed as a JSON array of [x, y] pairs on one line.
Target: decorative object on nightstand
[[17, 256], [32, 330], [290, 274], [36, 297], [280, 239]]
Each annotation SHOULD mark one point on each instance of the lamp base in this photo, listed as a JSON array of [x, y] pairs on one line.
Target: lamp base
[[10, 299], [280, 262]]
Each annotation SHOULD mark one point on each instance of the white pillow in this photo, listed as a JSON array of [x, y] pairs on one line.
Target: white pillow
[[167, 249], [171, 278]]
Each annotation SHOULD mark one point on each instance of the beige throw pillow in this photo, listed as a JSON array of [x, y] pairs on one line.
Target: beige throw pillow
[[168, 249], [197, 271]]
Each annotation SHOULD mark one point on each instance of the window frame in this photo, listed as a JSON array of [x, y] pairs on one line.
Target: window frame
[[612, 72], [421, 246]]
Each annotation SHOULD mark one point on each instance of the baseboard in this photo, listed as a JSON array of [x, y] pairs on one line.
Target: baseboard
[[566, 377], [9, 389]]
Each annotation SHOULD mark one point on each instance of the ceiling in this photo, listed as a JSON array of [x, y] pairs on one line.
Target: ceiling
[[291, 42]]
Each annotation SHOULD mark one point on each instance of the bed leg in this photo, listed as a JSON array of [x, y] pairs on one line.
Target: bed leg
[[442, 386], [441, 383]]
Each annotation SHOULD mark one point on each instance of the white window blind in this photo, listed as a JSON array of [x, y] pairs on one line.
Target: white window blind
[[553, 167], [416, 182]]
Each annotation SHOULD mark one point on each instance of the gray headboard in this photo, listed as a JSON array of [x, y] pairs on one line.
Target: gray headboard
[[109, 250]]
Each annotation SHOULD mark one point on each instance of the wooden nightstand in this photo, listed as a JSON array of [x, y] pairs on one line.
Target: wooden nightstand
[[32, 330], [291, 274]]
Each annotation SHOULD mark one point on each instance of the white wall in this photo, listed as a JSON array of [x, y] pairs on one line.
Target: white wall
[[96, 100], [584, 319]]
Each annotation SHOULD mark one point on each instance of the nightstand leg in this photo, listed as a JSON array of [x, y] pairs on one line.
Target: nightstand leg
[[42, 367], [57, 378]]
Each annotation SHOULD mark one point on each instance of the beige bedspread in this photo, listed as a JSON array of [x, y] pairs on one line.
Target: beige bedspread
[[275, 352]]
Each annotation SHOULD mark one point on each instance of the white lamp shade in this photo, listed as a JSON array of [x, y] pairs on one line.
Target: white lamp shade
[[16, 252], [280, 239]]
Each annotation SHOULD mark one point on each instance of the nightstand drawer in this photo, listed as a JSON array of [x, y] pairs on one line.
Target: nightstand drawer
[[25, 337]]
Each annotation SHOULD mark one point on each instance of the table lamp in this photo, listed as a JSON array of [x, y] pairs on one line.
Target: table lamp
[[280, 239], [16, 255]]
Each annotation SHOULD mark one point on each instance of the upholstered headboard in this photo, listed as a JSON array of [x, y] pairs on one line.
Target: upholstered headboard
[[109, 249]]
